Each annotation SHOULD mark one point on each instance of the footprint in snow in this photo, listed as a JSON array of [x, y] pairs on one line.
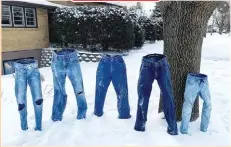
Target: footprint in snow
[[211, 132], [32, 117]]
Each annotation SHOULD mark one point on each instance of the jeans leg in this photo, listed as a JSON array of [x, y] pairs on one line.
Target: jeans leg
[[207, 107], [119, 80], [103, 79], [20, 93], [60, 97], [75, 75], [164, 82], [35, 87], [144, 88], [190, 94]]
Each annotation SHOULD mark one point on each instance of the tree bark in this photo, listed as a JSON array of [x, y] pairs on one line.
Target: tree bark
[[184, 23], [221, 25], [205, 31]]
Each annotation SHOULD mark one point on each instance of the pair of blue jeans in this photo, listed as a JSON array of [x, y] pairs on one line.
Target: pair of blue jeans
[[65, 63], [112, 68], [196, 84], [26, 72], [155, 66]]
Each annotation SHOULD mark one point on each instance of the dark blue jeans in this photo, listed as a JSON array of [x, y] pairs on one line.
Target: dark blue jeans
[[65, 63], [112, 68], [155, 66], [26, 71]]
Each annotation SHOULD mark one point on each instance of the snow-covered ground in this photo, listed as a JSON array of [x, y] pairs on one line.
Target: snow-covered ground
[[108, 130]]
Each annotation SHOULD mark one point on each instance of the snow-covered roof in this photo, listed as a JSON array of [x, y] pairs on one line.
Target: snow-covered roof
[[37, 2], [117, 3]]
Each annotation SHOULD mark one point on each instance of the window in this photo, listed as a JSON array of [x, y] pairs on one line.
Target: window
[[30, 17], [15, 16], [18, 16], [6, 16], [8, 66]]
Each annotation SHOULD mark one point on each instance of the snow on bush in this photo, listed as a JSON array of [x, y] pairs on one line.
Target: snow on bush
[[111, 27], [153, 27], [139, 35]]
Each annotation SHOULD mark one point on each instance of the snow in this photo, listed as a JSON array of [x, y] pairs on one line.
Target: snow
[[84, 11], [123, 4], [39, 2], [108, 130]]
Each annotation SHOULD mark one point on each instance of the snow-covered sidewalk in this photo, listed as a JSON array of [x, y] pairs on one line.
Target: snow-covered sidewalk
[[108, 130]]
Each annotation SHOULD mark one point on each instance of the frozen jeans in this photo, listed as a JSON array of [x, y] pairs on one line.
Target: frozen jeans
[[155, 66], [112, 68], [65, 63], [26, 71], [196, 84]]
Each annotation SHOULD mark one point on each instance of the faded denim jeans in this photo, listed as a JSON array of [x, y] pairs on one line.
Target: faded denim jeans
[[155, 66], [65, 63], [112, 68], [26, 71], [196, 84]]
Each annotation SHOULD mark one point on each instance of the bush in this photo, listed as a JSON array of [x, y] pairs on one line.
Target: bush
[[139, 32], [111, 27], [153, 28], [139, 35], [150, 29], [159, 29], [157, 17]]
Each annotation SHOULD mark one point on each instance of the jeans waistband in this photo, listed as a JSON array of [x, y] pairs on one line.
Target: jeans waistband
[[197, 76], [109, 57], [70, 54], [25, 64], [156, 60]]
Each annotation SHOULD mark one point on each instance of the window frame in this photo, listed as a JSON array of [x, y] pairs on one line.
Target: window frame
[[35, 18], [24, 17], [10, 18]]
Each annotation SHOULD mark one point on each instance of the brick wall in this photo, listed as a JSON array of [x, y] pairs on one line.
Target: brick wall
[[15, 39]]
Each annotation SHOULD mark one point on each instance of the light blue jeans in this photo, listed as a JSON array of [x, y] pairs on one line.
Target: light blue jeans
[[196, 84], [26, 71], [65, 63]]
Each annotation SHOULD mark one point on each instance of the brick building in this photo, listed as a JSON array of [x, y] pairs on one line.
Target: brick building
[[25, 28]]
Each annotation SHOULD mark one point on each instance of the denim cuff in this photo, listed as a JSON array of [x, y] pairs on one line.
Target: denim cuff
[[203, 130], [81, 113], [172, 132], [140, 127], [99, 114], [124, 114], [38, 129]]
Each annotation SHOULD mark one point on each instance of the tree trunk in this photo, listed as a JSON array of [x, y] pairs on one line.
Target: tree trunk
[[221, 27], [211, 33], [184, 23], [205, 31], [228, 24]]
